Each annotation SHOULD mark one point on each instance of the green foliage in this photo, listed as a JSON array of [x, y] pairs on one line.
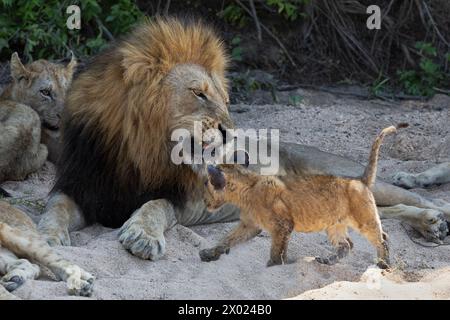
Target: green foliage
[[244, 83], [234, 15], [427, 77], [37, 28], [236, 51], [379, 85], [289, 9], [295, 100]]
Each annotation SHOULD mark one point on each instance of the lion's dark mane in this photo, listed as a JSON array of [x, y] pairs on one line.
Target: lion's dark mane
[[87, 173]]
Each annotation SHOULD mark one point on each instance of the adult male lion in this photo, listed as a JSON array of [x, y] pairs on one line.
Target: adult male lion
[[115, 165]]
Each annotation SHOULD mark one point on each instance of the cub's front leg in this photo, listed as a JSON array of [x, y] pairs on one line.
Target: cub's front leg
[[243, 232], [143, 233]]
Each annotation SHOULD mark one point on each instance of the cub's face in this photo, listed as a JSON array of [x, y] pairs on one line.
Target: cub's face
[[42, 85], [198, 96]]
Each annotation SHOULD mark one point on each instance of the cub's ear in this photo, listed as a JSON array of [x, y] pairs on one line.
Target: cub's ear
[[216, 177], [18, 70], [241, 157], [72, 65]]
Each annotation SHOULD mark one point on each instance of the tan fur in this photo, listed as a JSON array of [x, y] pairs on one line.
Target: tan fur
[[165, 75], [30, 79], [19, 238], [146, 92], [370, 174], [23, 108], [21, 152], [304, 203]]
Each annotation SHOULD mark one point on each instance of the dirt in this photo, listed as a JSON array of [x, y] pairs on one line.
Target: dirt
[[340, 125]]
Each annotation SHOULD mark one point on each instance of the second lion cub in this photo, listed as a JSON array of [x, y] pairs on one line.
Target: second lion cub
[[304, 203]]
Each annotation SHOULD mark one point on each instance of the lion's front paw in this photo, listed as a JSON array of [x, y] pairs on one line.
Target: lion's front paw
[[79, 282], [431, 224], [212, 254], [142, 243]]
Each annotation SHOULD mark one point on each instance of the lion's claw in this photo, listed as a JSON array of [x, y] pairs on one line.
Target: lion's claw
[[140, 243]]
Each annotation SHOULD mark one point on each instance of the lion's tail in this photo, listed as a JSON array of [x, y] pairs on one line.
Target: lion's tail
[[370, 174]]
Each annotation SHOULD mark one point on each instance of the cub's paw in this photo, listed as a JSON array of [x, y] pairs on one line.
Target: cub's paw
[[383, 265], [273, 262], [79, 282], [212, 254], [327, 260], [17, 273], [141, 242]]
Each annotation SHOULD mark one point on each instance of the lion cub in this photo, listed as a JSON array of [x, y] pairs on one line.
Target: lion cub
[[30, 113], [20, 239], [308, 203]]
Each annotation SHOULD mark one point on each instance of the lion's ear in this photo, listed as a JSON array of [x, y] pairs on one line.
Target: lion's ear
[[18, 70], [72, 65]]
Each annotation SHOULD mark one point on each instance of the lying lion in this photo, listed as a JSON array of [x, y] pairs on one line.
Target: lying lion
[[306, 203], [20, 239]]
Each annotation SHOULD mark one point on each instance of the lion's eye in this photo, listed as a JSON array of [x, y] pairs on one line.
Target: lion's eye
[[46, 92], [199, 94]]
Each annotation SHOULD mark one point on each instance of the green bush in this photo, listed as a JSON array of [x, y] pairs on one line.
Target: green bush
[[429, 75], [37, 28], [289, 9]]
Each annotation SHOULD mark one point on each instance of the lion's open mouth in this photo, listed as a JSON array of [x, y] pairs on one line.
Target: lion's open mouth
[[208, 144]]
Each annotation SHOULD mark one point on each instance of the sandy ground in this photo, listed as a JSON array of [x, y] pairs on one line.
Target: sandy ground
[[341, 125]]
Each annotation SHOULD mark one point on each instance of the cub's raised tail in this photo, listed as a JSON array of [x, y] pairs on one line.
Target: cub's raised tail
[[370, 173]]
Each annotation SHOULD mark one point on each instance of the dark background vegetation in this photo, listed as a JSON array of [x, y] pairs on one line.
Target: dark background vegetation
[[287, 42]]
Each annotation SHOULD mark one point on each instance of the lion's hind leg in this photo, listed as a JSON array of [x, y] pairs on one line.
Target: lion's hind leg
[[16, 271], [436, 175], [338, 237], [30, 245], [368, 224], [430, 223], [427, 216]]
